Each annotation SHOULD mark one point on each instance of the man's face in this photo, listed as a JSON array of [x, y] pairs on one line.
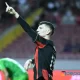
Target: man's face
[[43, 30]]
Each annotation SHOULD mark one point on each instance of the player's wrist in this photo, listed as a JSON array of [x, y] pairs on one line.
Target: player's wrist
[[16, 14]]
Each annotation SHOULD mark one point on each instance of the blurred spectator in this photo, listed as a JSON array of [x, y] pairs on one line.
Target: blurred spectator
[[50, 6], [24, 7], [78, 4], [76, 47], [57, 17], [33, 4], [68, 17], [78, 19], [57, 4], [68, 46]]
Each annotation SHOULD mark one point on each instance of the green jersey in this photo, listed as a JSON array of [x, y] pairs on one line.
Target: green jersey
[[15, 70]]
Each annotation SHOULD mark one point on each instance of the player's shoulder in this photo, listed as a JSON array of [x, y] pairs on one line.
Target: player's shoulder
[[8, 59]]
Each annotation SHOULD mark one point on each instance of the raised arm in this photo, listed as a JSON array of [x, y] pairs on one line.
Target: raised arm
[[23, 23]]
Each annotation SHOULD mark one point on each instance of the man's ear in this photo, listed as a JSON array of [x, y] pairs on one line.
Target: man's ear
[[49, 31]]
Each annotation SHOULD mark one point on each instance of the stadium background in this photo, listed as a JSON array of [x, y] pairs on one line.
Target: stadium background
[[65, 14]]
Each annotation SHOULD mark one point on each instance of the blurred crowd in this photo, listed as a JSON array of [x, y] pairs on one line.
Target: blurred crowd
[[59, 12], [56, 11]]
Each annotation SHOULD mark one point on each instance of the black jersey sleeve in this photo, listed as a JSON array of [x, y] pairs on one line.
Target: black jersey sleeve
[[30, 31], [27, 28]]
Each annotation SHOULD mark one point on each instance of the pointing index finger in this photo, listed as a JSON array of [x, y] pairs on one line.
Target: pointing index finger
[[6, 4]]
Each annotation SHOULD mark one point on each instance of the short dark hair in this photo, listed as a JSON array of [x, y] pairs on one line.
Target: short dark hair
[[52, 27]]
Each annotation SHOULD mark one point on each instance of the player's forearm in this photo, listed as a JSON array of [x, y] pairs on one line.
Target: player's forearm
[[26, 27], [23, 23]]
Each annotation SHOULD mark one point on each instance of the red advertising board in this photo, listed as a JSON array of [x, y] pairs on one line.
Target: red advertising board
[[57, 75], [61, 75]]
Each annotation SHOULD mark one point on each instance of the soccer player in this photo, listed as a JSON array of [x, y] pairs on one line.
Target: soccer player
[[45, 53], [12, 69]]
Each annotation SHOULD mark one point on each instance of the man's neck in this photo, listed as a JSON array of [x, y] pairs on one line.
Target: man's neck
[[47, 37]]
